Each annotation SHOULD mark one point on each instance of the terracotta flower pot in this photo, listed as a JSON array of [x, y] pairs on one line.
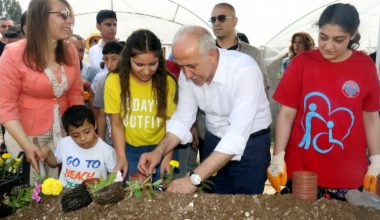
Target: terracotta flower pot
[[138, 176], [305, 185], [89, 182]]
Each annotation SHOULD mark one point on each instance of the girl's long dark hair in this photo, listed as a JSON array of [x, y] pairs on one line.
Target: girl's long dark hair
[[140, 42]]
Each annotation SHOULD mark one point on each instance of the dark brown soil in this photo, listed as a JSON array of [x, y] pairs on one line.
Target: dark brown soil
[[203, 206]]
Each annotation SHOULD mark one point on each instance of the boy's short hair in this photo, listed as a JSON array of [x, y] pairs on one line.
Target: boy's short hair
[[76, 115], [105, 14], [112, 47]]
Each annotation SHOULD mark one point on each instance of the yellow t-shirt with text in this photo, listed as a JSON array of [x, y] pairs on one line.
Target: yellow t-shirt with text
[[142, 127]]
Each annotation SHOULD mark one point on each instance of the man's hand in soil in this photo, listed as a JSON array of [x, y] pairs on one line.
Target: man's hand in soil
[[182, 185], [148, 161], [276, 171]]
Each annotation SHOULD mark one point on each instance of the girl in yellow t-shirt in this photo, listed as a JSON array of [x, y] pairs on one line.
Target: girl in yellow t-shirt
[[140, 95]]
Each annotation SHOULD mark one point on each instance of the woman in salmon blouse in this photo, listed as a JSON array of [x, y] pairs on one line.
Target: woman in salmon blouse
[[39, 79]]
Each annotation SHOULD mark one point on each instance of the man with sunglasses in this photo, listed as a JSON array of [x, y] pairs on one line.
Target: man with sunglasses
[[224, 20], [5, 23]]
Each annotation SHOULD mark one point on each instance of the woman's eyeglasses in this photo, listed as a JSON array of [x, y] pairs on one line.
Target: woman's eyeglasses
[[64, 13], [220, 18]]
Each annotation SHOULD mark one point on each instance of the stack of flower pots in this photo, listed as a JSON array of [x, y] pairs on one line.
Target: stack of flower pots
[[304, 185]]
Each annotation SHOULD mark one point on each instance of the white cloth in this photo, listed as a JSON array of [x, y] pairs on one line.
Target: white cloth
[[79, 164], [58, 86], [234, 102], [96, 55]]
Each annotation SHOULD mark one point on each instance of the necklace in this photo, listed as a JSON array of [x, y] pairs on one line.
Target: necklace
[[58, 87]]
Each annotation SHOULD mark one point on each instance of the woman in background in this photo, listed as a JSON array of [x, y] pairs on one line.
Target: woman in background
[[301, 41]]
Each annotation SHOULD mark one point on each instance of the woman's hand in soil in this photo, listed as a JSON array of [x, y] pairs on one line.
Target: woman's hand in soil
[[370, 179], [276, 171], [182, 185], [148, 161], [33, 155]]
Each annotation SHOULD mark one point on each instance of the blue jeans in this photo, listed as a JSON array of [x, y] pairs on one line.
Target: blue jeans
[[133, 157], [246, 176]]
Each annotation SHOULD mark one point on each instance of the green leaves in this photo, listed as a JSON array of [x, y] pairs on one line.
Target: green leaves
[[103, 183], [23, 198], [148, 188]]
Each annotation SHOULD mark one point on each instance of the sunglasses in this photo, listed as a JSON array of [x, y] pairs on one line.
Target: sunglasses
[[220, 18], [64, 13], [6, 26]]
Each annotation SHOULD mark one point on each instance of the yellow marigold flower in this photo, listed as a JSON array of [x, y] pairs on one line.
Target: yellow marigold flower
[[174, 163], [6, 156], [86, 95], [52, 186], [17, 163]]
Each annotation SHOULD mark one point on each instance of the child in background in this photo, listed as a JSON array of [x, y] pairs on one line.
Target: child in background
[[139, 97], [83, 154], [111, 56]]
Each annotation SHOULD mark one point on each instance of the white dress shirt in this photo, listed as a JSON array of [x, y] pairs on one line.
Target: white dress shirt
[[95, 55], [234, 102]]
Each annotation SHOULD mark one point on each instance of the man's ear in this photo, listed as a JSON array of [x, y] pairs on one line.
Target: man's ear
[[235, 21], [214, 54], [98, 27]]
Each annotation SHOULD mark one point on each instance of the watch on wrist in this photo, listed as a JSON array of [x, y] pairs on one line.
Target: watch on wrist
[[195, 179]]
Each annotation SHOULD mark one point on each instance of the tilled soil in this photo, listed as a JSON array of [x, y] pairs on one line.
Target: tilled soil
[[203, 206]]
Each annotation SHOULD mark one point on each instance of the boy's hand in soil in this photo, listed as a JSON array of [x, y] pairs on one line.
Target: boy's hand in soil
[[148, 161], [45, 150], [122, 166], [182, 185], [370, 179], [48, 156], [276, 171]]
